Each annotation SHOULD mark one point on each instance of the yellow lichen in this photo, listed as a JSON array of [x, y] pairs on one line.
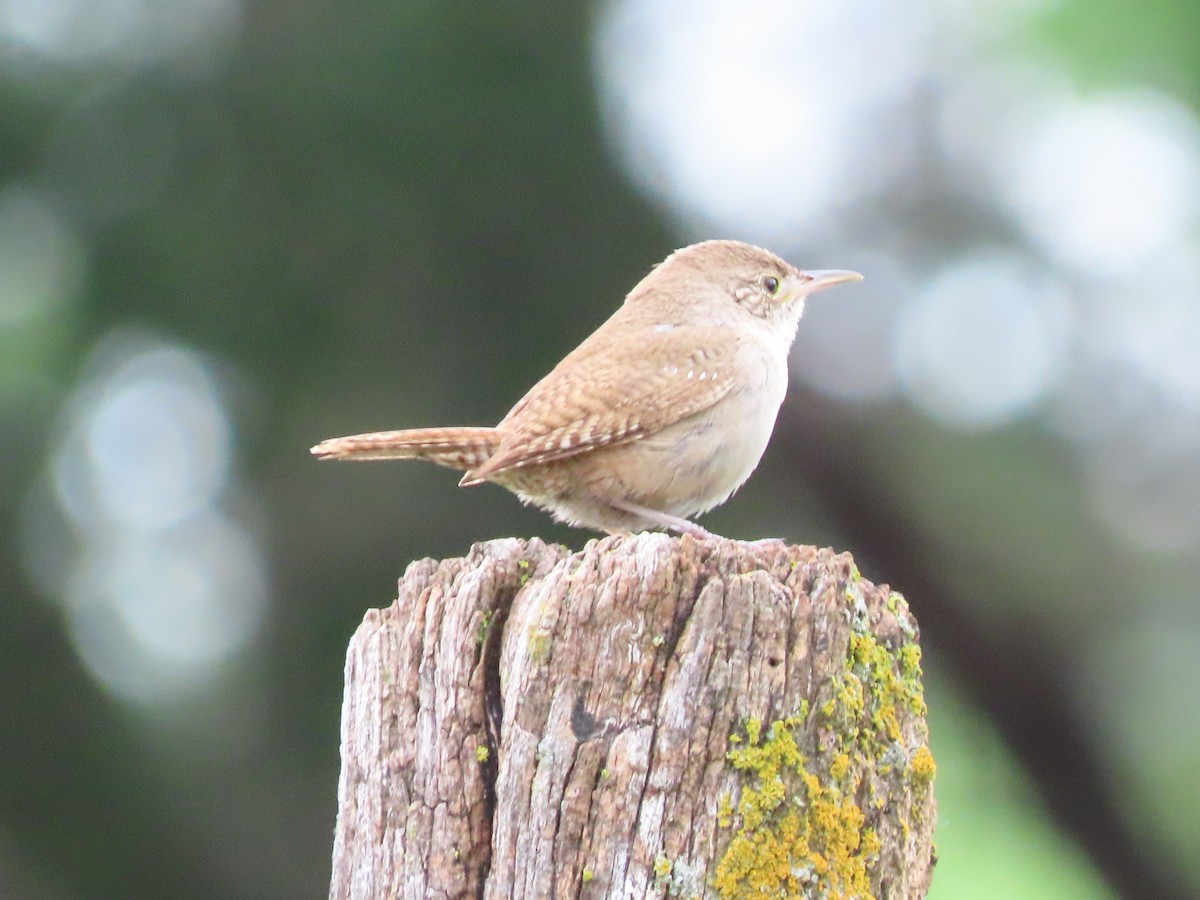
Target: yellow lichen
[[922, 766], [871, 844], [890, 682], [801, 826], [724, 811], [662, 868], [753, 730], [482, 753], [540, 644], [588, 875], [910, 660], [796, 833], [839, 767]]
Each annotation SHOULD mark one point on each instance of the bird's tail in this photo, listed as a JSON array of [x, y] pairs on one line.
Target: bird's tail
[[456, 448]]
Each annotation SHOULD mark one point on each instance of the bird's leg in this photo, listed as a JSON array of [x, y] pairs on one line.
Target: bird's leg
[[684, 526], [663, 520]]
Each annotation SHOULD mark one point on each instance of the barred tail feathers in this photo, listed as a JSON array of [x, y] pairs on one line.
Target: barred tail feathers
[[459, 448]]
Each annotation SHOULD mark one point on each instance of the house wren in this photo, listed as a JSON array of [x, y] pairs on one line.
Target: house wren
[[661, 414]]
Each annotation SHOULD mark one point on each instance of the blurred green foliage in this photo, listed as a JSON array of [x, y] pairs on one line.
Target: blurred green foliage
[[369, 217]]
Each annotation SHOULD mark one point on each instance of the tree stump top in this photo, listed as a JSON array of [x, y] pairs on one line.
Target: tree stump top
[[648, 716]]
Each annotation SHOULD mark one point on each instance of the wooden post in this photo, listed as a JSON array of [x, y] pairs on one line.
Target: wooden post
[[648, 717]]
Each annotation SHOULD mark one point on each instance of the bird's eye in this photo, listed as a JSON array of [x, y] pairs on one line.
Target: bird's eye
[[771, 283]]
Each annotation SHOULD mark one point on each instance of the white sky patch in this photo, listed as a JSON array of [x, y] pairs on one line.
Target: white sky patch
[[745, 115], [164, 586], [155, 617], [1152, 323], [151, 443], [1104, 183], [133, 32], [983, 342]]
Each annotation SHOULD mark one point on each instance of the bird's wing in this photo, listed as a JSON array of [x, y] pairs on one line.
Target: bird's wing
[[592, 399]]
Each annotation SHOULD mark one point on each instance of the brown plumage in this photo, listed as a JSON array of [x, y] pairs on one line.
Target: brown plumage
[[660, 414], [456, 448]]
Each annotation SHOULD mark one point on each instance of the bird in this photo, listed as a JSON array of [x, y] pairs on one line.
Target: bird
[[660, 415]]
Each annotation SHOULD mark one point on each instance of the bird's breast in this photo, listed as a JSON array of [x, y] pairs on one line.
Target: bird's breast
[[696, 463]]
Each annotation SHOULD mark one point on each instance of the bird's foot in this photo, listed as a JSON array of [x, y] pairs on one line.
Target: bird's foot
[[677, 524], [681, 525]]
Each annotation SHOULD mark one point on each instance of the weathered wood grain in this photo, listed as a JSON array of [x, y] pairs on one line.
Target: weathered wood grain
[[648, 717]]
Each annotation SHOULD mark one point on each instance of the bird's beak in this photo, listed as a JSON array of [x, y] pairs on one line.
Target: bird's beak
[[813, 280]]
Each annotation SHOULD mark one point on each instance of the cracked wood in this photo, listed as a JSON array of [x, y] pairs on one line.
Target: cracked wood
[[531, 722]]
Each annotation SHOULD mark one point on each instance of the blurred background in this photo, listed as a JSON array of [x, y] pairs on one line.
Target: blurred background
[[230, 228]]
